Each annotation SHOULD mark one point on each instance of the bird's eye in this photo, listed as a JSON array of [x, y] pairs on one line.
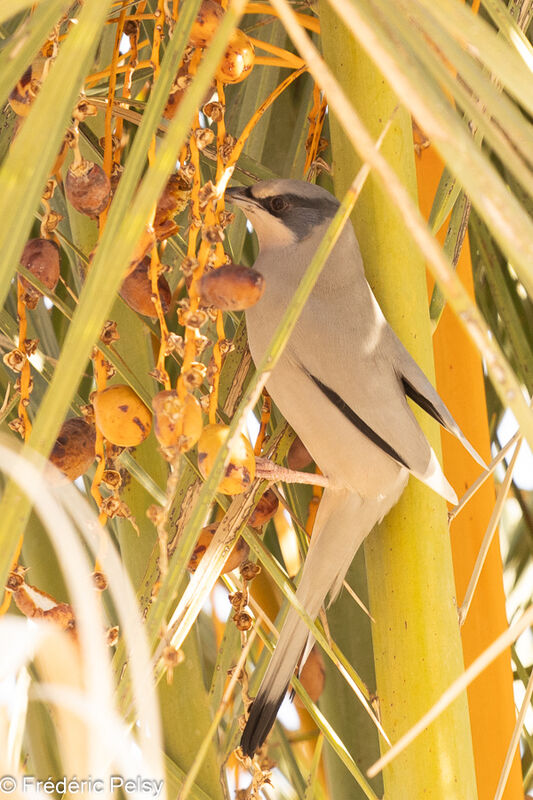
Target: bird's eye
[[278, 204]]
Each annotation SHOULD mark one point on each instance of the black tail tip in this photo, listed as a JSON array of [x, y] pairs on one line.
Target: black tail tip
[[248, 748], [256, 730], [262, 717]]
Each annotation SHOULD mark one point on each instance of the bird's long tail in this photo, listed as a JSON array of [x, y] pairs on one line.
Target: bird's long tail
[[343, 521]]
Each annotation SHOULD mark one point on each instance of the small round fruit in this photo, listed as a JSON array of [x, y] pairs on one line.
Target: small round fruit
[[206, 23], [313, 675], [22, 96], [231, 287], [121, 415], [240, 469], [136, 290], [88, 188], [264, 510], [238, 59], [240, 552], [73, 451], [177, 422], [41, 258]]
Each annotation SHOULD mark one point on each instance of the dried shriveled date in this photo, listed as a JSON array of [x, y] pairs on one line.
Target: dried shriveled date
[[41, 258], [136, 290], [87, 188], [298, 456], [73, 451], [313, 676], [264, 510], [231, 287]]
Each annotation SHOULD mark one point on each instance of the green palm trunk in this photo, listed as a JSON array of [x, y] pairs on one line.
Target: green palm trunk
[[416, 633]]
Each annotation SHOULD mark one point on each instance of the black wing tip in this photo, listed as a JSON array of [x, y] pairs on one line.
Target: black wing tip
[[449, 424], [423, 402]]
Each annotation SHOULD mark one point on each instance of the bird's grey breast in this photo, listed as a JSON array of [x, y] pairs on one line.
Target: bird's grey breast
[[340, 303], [335, 342]]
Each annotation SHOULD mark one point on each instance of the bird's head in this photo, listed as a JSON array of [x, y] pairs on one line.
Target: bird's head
[[284, 212]]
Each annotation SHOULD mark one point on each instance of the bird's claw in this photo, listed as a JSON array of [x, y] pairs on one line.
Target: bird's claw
[[270, 471]]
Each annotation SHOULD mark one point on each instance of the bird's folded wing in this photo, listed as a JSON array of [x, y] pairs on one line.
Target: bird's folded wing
[[370, 387], [364, 386]]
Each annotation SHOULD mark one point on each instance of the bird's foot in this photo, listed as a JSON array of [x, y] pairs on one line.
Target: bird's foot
[[275, 472]]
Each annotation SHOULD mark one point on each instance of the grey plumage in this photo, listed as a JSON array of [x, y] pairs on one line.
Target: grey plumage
[[342, 382]]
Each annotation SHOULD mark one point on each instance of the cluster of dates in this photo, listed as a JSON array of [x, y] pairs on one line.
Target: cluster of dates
[[119, 414]]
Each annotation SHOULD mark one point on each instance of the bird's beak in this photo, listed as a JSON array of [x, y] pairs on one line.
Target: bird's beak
[[240, 196]]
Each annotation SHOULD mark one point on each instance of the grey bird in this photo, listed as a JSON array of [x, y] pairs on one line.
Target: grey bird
[[342, 382]]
